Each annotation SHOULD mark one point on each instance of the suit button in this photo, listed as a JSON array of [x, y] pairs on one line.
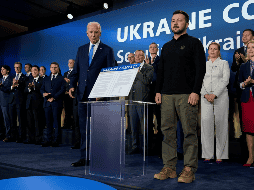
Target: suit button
[[87, 70], [85, 80]]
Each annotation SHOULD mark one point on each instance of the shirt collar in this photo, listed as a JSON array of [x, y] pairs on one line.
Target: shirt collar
[[70, 69], [36, 78], [97, 44], [54, 75], [182, 36]]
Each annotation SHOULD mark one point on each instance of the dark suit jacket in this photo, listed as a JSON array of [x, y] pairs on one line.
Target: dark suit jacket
[[34, 98], [5, 89], [140, 90], [67, 85], [155, 67], [235, 67], [244, 73], [86, 75], [56, 88], [17, 95]]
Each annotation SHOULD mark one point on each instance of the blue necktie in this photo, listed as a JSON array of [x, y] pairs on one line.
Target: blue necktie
[[91, 55], [17, 77]]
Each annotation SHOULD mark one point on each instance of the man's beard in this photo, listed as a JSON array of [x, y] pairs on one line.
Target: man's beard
[[178, 31]]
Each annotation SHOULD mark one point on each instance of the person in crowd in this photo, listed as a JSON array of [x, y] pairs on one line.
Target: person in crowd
[[28, 68], [215, 105], [239, 58], [68, 102], [17, 101], [131, 58], [179, 79], [246, 82], [34, 106], [154, 61], [76, 129], [91, 58], [140, 91], [5, 85], [233, 116], [42, 72], [53, 88]]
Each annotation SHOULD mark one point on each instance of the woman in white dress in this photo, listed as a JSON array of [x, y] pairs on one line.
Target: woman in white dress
[[214, 106]]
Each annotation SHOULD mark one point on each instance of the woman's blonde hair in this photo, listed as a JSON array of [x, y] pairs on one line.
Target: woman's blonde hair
[[218, 45], [250, 42]]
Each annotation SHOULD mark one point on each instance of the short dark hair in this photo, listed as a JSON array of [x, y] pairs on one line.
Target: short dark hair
[[29, 65], [44, 68], [18, 64], [7, 67], [252, 32], [183, 13], [36, 67], [154, 44], [55, 63]]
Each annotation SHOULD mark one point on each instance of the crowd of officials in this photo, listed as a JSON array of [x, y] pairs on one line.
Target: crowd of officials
[[176, 81]]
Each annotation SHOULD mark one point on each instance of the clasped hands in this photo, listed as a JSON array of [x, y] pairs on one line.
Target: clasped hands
[[31, 85], [238, 56], [46, 94], [15, 83], [248, 81], [210, 97]]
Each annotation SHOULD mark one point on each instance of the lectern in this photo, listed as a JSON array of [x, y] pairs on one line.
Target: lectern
[[106, 126]]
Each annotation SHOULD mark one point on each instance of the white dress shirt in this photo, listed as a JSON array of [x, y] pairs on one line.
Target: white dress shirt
[[53, 75]]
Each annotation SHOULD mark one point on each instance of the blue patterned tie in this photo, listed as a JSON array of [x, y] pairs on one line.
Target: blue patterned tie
[[91, 55], [17, 77]]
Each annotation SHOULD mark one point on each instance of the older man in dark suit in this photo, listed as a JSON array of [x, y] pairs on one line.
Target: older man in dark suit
[[68, 102], [17, 101], [5, 85], [34, 106], [140, 91], [53, 89], [91, 58]]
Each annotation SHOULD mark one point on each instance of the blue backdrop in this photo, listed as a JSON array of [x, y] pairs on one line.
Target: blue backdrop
[[135, 27]]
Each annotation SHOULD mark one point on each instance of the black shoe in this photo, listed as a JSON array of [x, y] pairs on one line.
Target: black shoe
[[55, 144], [81, 162], [46, 144], [76, 146]]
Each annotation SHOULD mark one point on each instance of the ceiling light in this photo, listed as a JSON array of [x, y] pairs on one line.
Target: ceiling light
[[70, 16], [105, 5]]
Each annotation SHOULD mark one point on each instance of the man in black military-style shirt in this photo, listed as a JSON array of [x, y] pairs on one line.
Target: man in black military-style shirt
[[179, 79]]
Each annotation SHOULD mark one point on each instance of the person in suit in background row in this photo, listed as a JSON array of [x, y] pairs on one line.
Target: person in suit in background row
[[5, 85], [17, 101], [91, 58], [246, 83], [34, 106], [28, 68], [131, 58], [68, 102], [53, 89], [154, 60], [239, 58], [42, 72], [140, 91], [76, 129]]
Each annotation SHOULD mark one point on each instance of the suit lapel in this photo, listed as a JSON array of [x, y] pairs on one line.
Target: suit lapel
[[248, 69]]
